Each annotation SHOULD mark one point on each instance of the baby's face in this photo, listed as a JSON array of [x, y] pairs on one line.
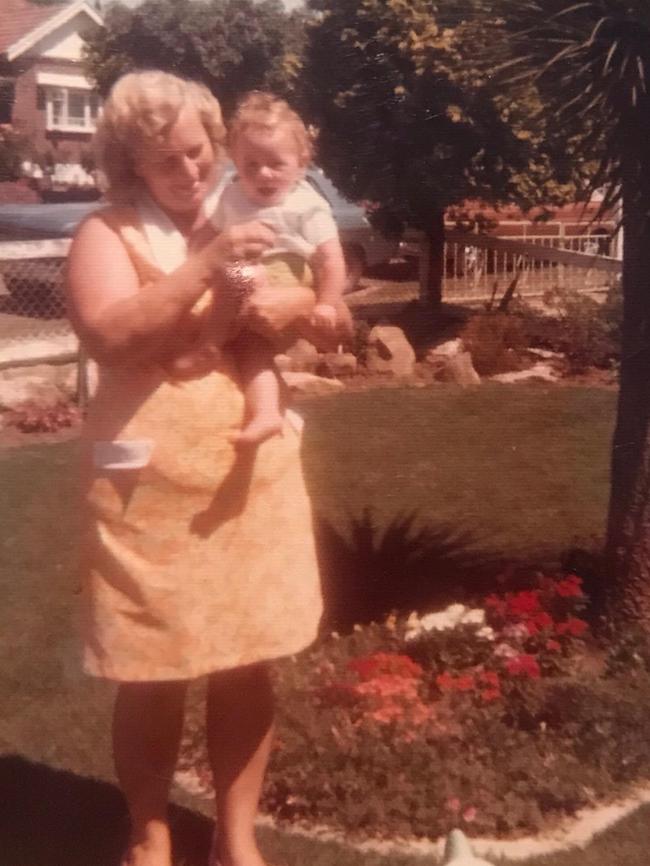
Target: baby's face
[[268, 164]]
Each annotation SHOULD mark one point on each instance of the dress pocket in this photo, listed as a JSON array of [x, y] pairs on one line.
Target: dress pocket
[[122, 454]]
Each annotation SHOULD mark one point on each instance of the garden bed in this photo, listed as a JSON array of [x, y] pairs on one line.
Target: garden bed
[[504, 719]]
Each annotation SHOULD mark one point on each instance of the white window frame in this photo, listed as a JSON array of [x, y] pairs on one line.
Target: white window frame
[[63, 125]]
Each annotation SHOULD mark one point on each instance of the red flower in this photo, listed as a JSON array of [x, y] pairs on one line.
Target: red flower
[[570, 587], [490, 678], [573, 626], [524, 604], [496, 604], [465, 683], [523, 666], [490, 694], [448, 683], [552, 645], [378, 664]]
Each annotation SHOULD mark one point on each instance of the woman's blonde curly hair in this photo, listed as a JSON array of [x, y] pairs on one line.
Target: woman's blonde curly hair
[[139, 111], [264, 112]]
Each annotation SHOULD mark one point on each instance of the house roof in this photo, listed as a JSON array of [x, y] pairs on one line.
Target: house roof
[[24, 22]]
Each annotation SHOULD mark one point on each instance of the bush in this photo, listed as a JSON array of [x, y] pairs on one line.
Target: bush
[[586, 332], [12, 153], [34, 417], [496, 341]]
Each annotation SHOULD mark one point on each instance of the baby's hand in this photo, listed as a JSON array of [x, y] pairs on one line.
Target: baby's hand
[[324, 316]]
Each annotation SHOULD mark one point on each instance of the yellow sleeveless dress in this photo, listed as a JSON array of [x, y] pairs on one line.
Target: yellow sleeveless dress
[[203, 558]]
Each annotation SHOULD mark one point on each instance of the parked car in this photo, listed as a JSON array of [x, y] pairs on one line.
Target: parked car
[[362, 245]]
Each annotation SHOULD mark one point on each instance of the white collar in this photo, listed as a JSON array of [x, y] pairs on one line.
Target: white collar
[[167, 244]]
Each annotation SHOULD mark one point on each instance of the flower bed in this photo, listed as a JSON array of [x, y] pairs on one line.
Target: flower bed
[[499, 719]]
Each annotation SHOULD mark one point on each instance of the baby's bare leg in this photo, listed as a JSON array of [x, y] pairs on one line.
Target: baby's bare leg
[[261, 385]]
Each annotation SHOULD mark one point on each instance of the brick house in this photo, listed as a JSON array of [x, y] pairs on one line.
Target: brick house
[[44, 94]]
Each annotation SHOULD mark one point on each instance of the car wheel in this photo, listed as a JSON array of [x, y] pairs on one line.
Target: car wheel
[[355, 265]]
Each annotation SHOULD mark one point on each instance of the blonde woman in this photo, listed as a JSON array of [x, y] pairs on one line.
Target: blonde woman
[[188, 565]]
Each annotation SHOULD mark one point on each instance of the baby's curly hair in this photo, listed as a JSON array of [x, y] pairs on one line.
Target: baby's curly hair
[[265, 112], [140, 109]]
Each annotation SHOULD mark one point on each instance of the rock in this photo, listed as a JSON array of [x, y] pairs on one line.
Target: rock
[[457, 369], [389, 351], [447, 349], [458, 851], [308, 383], [337, 364], [303, 355], [541, 370]]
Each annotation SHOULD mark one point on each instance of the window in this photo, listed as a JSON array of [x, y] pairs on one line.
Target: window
[[71, 109]]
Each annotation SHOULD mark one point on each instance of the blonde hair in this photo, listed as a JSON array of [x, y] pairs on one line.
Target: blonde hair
[[140, 109], [264, 112]]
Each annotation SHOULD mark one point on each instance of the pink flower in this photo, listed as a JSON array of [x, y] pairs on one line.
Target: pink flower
[[552, 645], [453, 804], [469, 814]]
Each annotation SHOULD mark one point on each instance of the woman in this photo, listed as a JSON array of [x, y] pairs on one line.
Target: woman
[[199, 560]]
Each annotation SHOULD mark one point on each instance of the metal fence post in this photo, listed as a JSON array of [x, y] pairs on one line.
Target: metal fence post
[[82, 378]]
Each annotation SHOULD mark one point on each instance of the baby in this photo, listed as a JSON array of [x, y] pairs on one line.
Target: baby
[[271, 148]]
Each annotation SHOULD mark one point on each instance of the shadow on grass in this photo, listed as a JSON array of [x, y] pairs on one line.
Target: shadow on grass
[[57, 818], [371, 571]]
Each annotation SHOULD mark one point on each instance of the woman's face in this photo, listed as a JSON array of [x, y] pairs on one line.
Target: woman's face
[[179, 171]]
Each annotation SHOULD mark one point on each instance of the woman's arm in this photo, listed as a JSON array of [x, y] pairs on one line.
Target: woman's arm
[[270, 311], [120, 321]]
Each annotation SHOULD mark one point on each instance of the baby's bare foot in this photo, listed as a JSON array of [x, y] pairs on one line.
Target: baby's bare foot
[[257, 431], [152, 848], [146, 855]]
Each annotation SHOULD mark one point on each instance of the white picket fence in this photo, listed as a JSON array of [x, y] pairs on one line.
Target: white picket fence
[[478, 267]]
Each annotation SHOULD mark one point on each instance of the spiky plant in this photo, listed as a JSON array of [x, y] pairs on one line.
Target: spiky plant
[[591, 64]]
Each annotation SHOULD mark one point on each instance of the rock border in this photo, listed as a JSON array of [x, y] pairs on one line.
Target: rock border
[[570, 834]]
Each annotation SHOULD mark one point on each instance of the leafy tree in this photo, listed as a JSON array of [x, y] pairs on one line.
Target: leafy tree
[[409, 121], [231, 45], [591, 62]]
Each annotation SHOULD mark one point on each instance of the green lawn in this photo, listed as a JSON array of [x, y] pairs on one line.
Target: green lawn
[[523, 469]]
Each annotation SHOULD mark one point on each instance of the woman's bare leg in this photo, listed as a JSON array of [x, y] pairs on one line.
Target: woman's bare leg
[[239, 733], [147, 727]]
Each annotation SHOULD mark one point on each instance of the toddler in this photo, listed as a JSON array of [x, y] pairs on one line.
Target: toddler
[[271, 148]]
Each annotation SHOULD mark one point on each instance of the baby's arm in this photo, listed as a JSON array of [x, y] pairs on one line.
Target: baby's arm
[[328, 266]]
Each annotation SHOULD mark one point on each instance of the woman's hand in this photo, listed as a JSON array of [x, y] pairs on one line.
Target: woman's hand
[[244, 243]]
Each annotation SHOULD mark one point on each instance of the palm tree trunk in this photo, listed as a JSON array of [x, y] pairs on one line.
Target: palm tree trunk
[[625, 593]]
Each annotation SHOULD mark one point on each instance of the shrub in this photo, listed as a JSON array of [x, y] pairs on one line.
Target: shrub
[[12, 153], [588, 333], [495, 341], [33, 417]]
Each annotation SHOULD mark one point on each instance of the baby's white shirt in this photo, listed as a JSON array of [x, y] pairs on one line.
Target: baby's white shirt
[[302, 221]]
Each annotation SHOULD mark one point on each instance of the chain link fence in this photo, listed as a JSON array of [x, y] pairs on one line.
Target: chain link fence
[[33, 322]]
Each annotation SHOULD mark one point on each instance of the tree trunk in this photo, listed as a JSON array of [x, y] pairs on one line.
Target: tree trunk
[[625, 592], [433, 264]]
